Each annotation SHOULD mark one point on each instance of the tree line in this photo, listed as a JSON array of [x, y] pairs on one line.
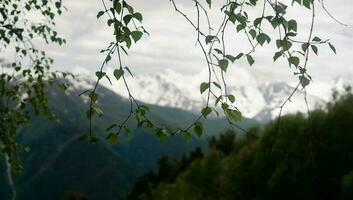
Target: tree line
[[312, 158]]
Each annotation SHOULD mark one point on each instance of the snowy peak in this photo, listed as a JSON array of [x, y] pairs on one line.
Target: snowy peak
[[255, 99]]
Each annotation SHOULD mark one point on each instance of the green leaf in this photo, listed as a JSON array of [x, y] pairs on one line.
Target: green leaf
[[298, 1], [57, 4], [231, 98], [291, 34], [127, 19], [286, 45], [206, 111], [210, 38], [93, 96], [231, 58], [280, 8], [292, 25], [218, 51], [234, 115], [108, 58], [100, 74], [127, 130], [118, 73], [304, 81], [126, 30], [252, 32], [332, 48], [223, 64], [275, 22], [138, 16], [117, 6], [231, 16], [162, 133], [253, 2], [307, 3], [294, 60], [128, 7], [136, 35], [315, 49], [198, 129], [98, 111], [250, 59], [149, 124], [106, 76], [239, 56], [305, 46], [100, 13], [225, 106], [218, 99], [127, 41], [317, 39], [262, 38], [112, 138], [110, 22], [93, 139], [128, 70], [257, 21], [277, 55], [240, 27], [145, 108], [279, 43], [186, 136], [204, 86], [209, 3], [217, 85]]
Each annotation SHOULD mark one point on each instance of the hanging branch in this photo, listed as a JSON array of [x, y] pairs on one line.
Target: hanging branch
[[213, 45]]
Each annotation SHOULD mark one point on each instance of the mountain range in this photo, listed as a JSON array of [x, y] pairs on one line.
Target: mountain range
[[59, 163], [254, 98]]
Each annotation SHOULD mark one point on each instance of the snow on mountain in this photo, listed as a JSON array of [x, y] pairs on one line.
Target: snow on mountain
[[275, 93], [341, 82], [254, 98], [324, 89]]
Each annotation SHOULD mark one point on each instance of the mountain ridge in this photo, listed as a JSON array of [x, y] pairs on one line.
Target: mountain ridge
[[253, 97], [58, 163]]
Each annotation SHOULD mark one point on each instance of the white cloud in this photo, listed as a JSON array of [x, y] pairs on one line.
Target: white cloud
[[171, 44]]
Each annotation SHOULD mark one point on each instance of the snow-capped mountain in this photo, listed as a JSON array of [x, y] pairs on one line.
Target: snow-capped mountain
[[254, 99]]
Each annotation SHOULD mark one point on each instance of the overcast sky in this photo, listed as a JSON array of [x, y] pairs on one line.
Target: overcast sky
[[171, 43]]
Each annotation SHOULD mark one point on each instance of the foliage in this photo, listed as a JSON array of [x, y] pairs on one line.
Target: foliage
[[23, 86], [271, 25], [311, 159], [168, 171], [58, 163], [24, 81]]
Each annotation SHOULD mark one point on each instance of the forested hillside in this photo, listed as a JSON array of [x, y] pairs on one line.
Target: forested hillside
[[59, 163], [303, 157]]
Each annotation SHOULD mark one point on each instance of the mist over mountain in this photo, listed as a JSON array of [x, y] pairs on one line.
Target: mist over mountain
[[255, 98]]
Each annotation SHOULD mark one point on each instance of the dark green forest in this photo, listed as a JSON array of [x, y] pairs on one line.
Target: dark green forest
[[299, 157]]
